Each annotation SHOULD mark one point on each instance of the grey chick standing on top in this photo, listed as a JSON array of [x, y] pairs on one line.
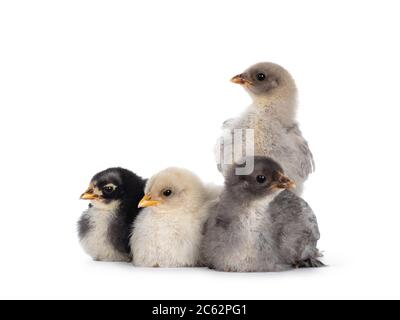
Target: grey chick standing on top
[[105, 227], [272, 116], [259, 225]]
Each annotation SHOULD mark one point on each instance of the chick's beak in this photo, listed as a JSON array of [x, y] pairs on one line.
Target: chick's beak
[[290, 185], [285, 183], [147, 202], [89, 195], [241, 79]]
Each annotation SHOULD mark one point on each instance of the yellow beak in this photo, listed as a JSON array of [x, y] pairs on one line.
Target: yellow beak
[[284, 182], [292, 185], [89, 195], [241, 79], [147, 202]]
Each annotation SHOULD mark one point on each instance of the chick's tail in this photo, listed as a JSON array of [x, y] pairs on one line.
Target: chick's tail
[[309, 263]]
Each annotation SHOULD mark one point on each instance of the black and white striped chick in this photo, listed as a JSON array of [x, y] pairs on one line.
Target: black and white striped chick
[[104, 228]]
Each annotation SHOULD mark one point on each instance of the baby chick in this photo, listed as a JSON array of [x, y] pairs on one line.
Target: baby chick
[[258, 224], [272, 117], [167, 233], [104, 228]]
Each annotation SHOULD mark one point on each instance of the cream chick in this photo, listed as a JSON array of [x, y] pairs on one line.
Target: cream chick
[[168, 232]]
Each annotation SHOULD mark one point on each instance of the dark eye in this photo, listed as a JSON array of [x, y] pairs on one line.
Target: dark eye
[[167, 193], [108, 189], [260, 76], [261, 179]]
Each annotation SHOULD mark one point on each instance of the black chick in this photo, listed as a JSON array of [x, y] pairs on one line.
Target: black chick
[[105, 227]]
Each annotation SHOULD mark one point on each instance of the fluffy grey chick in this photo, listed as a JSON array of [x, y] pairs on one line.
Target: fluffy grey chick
[[272, 116], [259, 225]]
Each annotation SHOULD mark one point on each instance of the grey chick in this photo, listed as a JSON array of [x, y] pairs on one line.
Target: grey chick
[[104, 229], [259, 225], [272, 116]]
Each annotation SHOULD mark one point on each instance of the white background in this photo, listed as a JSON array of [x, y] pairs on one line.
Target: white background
[[85, 85]]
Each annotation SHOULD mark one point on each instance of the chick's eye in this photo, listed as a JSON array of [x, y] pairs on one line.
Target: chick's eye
[[260, 76], [261, 179], [108, 189], [167, 192]]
